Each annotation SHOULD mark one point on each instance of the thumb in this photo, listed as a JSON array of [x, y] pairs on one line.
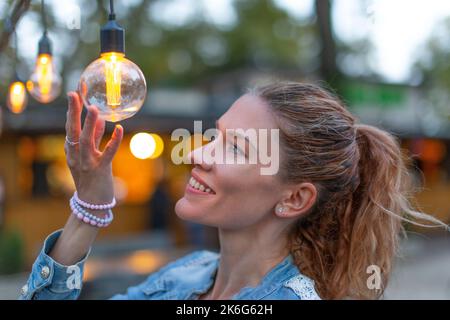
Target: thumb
[[113, 144]]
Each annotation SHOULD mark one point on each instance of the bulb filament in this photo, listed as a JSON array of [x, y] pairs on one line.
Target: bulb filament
[[113, 63], [44, 72]]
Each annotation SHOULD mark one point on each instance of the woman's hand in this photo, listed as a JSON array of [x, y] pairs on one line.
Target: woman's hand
[[92, 173], [91, 168]]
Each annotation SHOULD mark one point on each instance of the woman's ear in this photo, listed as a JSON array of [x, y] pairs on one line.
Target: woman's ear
[[298, 201]]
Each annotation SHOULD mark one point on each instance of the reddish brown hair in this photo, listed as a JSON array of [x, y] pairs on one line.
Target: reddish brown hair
[[363, 189]]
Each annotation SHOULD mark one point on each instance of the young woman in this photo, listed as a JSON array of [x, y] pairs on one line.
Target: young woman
[[332, 213]]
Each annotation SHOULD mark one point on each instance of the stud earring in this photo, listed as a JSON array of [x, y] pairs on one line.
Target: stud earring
[[280, 209]]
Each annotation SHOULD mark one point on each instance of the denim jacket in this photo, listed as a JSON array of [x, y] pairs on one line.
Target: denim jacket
[[183, 279]]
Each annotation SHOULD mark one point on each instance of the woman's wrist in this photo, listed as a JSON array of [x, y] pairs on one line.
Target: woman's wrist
[[74, 242], [96, 191], [81, 229], [95, 198]]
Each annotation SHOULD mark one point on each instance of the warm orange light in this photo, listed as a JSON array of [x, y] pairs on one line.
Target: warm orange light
[[45, 83], [144, 261], [44, 69], [159, 146], [146, 145], [17, 97], [113, 63], [138, 177]]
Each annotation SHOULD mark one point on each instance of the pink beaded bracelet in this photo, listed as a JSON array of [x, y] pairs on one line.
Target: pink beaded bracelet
[[89, 218], [94, 206]]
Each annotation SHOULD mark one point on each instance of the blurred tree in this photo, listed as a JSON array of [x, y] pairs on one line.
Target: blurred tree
[[263, 36], [11, 252], [185, 50], [328, 67], [18, 10], [353, 56], [432, 68]]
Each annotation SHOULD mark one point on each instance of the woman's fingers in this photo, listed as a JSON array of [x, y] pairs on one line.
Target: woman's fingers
[[113, 144], [87, 143], [73, 119], [99, 131]]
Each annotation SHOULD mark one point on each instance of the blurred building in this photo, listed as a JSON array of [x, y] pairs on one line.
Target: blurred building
[[38, 183]]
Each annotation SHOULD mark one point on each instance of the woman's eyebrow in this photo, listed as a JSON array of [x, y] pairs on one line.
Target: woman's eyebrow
[[236, 133]]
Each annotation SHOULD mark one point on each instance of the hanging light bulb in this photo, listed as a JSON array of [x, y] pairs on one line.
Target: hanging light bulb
[[112, 83], [16, 99], [45, 83], [17, 96]]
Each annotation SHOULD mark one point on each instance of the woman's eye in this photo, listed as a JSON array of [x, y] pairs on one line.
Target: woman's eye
[[236, 149]]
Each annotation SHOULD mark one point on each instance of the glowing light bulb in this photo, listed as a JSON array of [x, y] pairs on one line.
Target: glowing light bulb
[[17, 97], [115, 85], [44, 84], [112, 83]]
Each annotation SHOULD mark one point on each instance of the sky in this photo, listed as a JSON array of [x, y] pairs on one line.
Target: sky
[[397, 28]]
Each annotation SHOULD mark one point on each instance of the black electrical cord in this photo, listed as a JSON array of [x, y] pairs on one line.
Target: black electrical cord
[[44, 46], [112, 35], [16, 45], [112, 14], [44, 17], [16, 49], [11, 29]]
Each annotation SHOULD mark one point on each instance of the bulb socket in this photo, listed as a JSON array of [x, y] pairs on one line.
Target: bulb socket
[[45, 45], [112, 37]]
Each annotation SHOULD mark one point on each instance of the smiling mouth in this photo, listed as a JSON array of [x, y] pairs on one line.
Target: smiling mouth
[[196, 185]]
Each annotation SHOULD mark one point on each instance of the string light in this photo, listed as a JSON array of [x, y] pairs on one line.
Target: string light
[[44, 84], [16, 99], [112, 83]]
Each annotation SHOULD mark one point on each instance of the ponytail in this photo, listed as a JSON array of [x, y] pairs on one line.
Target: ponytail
[[364, 191], [382, 164]]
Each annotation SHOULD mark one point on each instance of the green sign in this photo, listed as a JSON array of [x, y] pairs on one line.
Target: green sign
[[360, 95]]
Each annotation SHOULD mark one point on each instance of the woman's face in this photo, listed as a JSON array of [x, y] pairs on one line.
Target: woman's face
[[239, 195]]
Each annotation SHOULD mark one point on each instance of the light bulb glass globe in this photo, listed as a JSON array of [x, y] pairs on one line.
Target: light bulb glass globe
[[115, 85], [44, 84], [17, 97]]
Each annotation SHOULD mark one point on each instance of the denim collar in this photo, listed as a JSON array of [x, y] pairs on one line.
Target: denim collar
[[273, 280]]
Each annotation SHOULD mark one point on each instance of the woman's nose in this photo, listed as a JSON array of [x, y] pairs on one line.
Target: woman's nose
[[198, 157]]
